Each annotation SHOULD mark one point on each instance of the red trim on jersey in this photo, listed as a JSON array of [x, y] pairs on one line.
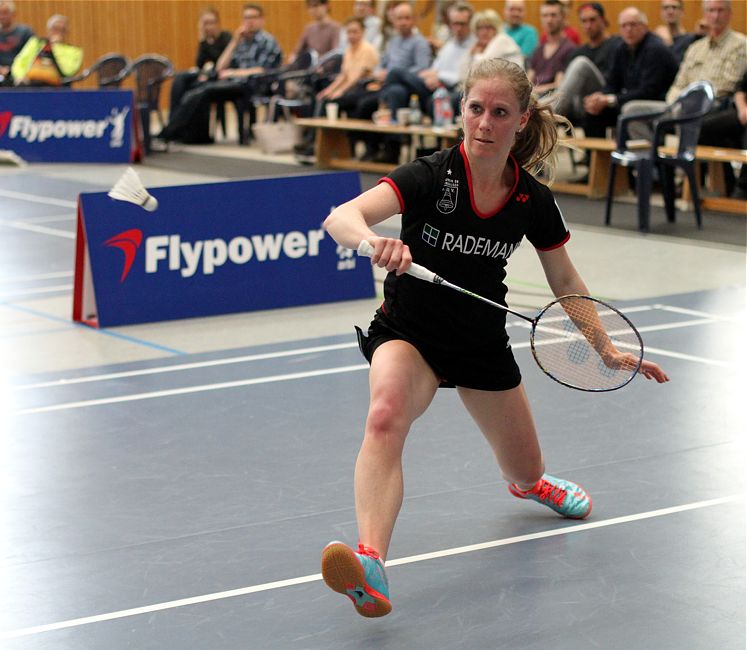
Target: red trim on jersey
[[469, 183], [393, 185], [558, 245]]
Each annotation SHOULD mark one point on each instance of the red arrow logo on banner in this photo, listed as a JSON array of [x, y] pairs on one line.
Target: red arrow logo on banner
[[128, 241], [4, 121]]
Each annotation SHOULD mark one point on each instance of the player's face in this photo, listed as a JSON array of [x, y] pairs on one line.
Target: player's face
[[491, 116]]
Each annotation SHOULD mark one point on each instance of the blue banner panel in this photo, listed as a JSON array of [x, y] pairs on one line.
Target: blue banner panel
[[218, 248], [67, 125]]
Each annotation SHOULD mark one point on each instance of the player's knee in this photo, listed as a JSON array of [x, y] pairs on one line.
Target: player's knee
[[385, 423]]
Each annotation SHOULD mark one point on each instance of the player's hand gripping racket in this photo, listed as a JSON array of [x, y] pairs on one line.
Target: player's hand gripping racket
[[578, 341]]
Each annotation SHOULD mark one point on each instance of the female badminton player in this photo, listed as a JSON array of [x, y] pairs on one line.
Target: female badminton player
[[464, 211]]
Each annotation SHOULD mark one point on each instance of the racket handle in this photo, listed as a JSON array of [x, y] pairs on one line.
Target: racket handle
[[366, 250]]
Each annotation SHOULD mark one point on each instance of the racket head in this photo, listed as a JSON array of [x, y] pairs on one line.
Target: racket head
[[561, 346]]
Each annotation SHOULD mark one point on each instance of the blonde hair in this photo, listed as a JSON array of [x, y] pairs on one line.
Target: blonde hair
[[536, 144], [487, 17]]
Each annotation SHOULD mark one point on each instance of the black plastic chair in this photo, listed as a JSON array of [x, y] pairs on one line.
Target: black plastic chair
[[109, 70], [262, 87], [308, 83], [683, 117], [149, 72]]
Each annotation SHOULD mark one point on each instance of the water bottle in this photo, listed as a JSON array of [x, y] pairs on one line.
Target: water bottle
[[416, 115], [442, 112]]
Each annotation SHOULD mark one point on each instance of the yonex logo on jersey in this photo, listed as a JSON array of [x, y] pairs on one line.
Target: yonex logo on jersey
[[430, 235], [522, 198], [128, 242]]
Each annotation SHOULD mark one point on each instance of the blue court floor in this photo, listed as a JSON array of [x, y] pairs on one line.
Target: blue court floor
[[162, 489]]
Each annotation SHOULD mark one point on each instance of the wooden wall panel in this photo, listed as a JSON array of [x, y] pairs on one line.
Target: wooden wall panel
[[168, 27]]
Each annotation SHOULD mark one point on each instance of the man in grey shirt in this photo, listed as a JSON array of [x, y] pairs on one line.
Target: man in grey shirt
[[408, 51], [401, 83]]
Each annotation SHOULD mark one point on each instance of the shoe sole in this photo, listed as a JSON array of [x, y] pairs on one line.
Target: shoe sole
[[343, 572]]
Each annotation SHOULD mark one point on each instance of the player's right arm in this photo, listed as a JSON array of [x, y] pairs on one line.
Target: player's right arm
[[351, 222]]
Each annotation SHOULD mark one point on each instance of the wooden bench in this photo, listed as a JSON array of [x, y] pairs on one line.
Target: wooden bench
[[601, 149], [714, 157], [595, 186], [332, 145]]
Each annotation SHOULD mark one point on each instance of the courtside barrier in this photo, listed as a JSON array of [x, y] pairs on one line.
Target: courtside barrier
[[68, 125], [214, 249]]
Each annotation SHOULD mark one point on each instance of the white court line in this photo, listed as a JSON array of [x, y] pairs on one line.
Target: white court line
[[47, 200], [693, 312], [279, 584], [68, 216], [37, 290], [300, 351], [64, 406], [36, 277], [21, 225], [189, 366], [191, 389], [689, 357]]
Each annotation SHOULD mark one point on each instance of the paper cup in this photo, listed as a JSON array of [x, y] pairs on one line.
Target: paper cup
[[333, 111]]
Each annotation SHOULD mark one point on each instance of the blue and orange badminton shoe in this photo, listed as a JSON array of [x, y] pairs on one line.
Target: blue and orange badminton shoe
[[358, 575], [564, 497]]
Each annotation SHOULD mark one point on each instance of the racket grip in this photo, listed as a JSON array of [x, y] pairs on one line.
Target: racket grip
[[366, 250]]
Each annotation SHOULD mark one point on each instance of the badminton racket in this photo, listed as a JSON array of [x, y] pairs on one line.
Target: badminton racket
[[579, 341]]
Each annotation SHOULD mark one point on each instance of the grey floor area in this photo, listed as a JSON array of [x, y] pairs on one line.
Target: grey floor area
[[171, 485]]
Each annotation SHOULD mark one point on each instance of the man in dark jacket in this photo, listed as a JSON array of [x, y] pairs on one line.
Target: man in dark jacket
[[642, 68]]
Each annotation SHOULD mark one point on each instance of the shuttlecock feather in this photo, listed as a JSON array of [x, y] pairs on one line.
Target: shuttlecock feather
[[130, 188]]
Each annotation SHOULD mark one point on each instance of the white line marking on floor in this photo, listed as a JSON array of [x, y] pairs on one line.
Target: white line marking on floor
[[10, 279], [280, 584], [693, 312], [68, 216], [189, 366], [47, 200], [688, 357], [37, 290], [22, 225], [192, 389]]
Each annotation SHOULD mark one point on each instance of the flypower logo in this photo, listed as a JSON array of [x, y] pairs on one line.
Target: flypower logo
[[24, 127], [190, 258]]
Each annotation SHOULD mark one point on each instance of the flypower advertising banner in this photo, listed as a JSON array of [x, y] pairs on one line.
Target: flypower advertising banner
[[214, 249], [68, 125]]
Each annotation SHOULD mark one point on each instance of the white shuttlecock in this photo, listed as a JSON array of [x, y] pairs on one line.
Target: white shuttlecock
[[130, 188]]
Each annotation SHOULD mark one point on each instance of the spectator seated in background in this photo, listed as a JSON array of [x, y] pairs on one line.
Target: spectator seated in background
[[401, 83], [322, 35], [358, 62], [212, 43], [550, 59], [589, 64], [13, 37], [569, 31], [490, 43], [727, 127], [642, 68], [364, 9], [720, 58], [250, 52], [47, 61], [523, 34], [407, 50], [672, 31]]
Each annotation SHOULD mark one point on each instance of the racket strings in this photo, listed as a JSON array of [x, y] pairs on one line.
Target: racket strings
[[586, 344]]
